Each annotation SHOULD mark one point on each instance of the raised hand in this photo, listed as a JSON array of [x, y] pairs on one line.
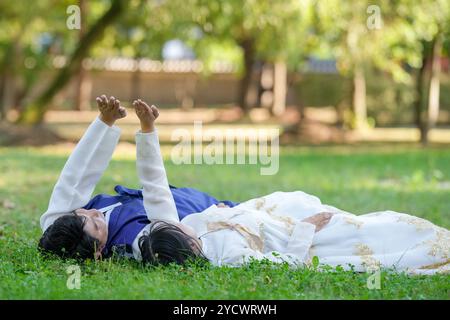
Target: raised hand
[[146, 114], [110, 109]]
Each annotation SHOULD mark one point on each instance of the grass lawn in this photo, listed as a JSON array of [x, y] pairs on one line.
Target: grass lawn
[[356, 179]]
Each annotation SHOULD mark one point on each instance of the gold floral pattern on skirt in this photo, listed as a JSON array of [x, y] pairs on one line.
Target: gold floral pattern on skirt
[[352, 221], [366, 255], [254, 241], [419, 223]]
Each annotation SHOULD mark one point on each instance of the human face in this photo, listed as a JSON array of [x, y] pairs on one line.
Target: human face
[[95, 225]]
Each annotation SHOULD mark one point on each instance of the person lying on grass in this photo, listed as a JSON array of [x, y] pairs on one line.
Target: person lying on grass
[[293, 227], [76, 227], [282, 227]]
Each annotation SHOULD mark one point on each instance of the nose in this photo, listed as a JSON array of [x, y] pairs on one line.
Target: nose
[[100, 215], [93, 213], [80, 211], [96, 213]]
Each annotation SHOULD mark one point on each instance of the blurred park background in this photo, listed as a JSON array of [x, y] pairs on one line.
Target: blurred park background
[[321, 71], [359, 89]]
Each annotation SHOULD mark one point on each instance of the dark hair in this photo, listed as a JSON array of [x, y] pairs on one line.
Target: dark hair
[[67, 239], [166, 243]]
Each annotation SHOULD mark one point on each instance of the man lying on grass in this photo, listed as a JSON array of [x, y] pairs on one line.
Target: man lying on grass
[[76, 227], [290, 227]]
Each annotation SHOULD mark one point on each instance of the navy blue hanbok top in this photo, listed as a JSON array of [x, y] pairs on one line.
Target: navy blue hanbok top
[[126, 216]]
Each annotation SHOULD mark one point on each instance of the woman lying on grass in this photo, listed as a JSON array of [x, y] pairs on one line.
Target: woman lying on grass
[[76, 227], [290, 227], [294, 227]]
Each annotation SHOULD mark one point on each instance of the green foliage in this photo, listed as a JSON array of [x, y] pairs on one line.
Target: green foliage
[[315, 262], [356, 179], [388, 101], [323, 89], [279, 30], [275, 28]]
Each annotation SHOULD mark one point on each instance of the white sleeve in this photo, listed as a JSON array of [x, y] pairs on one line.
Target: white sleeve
[[301, 239], [82, 171], [158, 199]]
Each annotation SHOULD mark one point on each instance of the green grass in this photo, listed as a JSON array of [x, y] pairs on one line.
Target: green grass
[[356, 179]]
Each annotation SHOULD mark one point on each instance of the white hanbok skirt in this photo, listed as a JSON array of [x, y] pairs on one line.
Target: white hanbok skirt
[[386, 239]]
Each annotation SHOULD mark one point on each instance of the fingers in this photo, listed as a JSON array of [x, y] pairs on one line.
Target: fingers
[[143, 103], [152, 110], [110, 107], [147, 115], [155, 111], [111, 101], [104, 100], [122, 112], [99, 102], [143, 107], [138, 107]]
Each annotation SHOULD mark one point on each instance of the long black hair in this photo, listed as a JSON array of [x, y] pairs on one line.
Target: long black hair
[[67, 239], [166, 243]]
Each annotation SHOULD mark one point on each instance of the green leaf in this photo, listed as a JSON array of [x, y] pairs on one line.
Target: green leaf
[[315, 262]]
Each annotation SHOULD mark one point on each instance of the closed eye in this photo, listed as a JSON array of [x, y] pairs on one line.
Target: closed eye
[[95, 224]]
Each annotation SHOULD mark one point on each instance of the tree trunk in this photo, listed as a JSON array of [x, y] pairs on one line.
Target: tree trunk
[[265, 85], [2, 86], [418, 109], [427, 88], [433, 99], [187, 102], [300, 105], [359, 98], [248, 46], [10, 79], [36, 111], [83, 92], [279, 88], [136, 80], [9, 92]]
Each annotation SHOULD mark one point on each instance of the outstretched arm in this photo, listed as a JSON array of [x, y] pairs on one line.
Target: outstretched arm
[[87, 162], [158, 200]]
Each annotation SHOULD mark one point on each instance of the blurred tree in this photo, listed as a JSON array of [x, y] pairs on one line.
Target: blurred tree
[[83, 84], [415, 38], [141, 33], [285, 44], [262, 29], [35, 111], [31, 36], [412, 35], [352, 31], [431, 24]]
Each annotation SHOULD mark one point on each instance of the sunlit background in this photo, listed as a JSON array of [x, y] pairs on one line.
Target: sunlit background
[[320, 71]]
